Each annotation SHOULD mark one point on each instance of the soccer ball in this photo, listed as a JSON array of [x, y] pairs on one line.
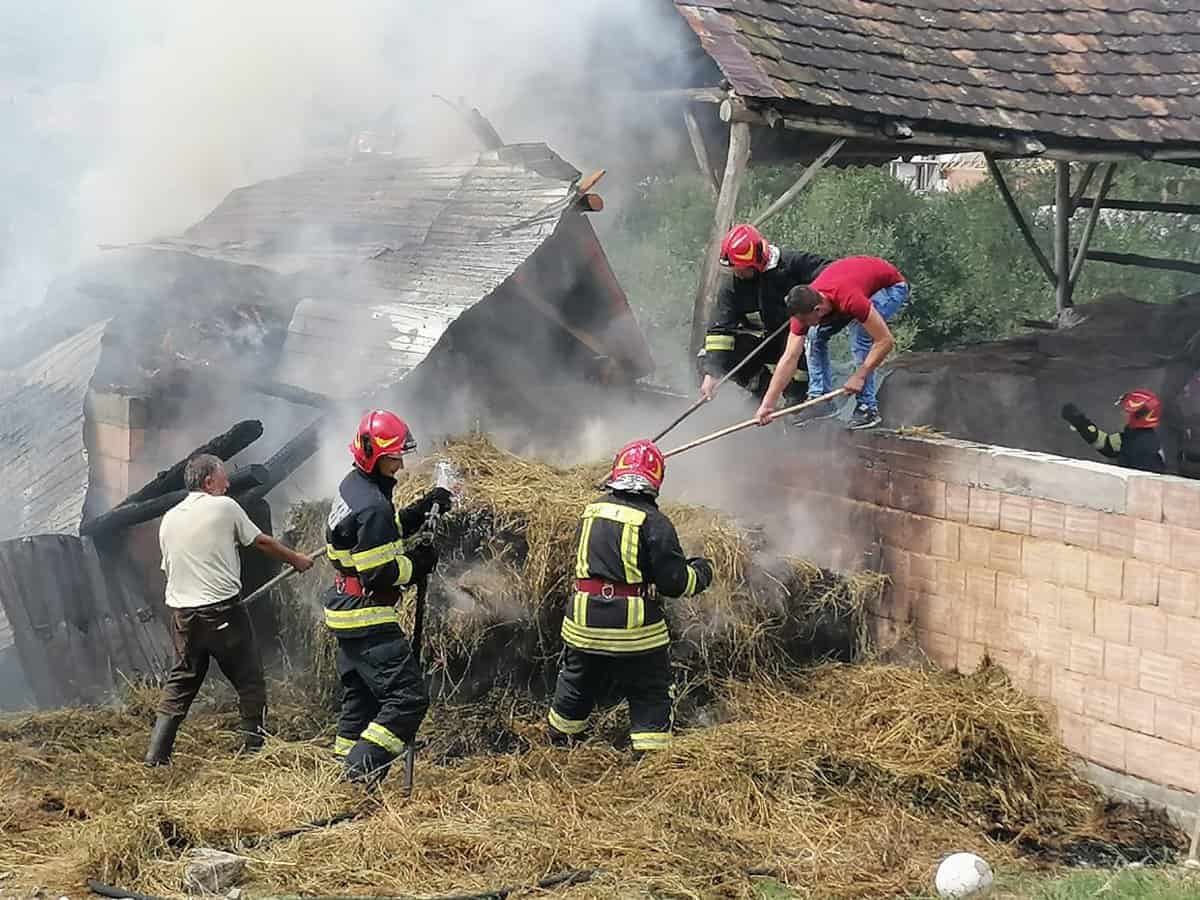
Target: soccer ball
[[963, 876]]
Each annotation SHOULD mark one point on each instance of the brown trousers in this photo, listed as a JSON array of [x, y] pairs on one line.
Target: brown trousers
[[222, 632]]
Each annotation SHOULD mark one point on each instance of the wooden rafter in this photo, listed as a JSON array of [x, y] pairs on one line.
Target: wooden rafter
[[1019, 218], [806, 176]]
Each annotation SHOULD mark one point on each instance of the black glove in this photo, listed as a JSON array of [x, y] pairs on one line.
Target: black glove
[[1075, 416], [424, 558], [704, 572], [440, 497]]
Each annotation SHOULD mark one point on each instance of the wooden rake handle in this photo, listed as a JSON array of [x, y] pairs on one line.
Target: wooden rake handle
[[824, 398]]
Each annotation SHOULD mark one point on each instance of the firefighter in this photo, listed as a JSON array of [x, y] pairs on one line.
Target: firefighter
[[1137, 446], [750, 306], [384, 697], [614, 629]]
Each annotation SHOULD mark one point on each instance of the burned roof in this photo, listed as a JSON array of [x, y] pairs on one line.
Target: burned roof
[[42, 451], [1083, 71]]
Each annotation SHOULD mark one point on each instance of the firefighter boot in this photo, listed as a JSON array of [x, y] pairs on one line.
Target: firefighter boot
[[252, 734], [162, 739], [367, 763]]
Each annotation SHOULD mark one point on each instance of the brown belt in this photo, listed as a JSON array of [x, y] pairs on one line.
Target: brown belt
[[598, 587]]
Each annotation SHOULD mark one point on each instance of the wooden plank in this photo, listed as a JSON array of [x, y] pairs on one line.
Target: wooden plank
[[1062, 234], [1019, 218], [1145, 262], [696, 136]]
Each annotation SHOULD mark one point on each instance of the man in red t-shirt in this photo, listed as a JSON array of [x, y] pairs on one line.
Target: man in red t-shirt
[[864, 292]]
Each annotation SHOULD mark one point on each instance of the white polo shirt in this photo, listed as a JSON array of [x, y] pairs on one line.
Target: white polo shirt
[[199, 539]]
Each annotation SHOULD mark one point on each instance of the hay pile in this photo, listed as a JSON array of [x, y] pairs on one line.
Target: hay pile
[[845, 782], [508, 558]]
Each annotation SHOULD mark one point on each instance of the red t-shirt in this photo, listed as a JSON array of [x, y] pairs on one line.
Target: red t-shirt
[[849, 284]]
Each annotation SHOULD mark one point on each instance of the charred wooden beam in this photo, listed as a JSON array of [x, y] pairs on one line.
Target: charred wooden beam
[[1145, 262], [129, 514], [223, 446], [289, 392], [288, 458]]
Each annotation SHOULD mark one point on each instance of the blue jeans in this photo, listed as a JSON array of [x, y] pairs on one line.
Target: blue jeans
[[820, 376]]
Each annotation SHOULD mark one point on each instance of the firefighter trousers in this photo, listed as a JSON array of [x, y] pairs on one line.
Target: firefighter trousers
[[644, 679], [222, 632], [384, 700]]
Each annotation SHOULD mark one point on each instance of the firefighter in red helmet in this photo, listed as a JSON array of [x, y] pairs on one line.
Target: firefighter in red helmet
[[750, 306], [384, 697], [1137, 445], [614, 629]]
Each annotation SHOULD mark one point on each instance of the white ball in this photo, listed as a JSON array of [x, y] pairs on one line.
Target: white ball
[[963, 876]]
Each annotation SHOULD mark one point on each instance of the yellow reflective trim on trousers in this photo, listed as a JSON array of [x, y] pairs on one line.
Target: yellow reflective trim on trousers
[[342, 745], [635, 613], [650, 740], [614, 512], [365, 560], [566, 726], [691, 583], [377, 734], [718, 342], [629, 554], [616, 640], [581, 555], [405, 567], [362, 617], [579, 614]]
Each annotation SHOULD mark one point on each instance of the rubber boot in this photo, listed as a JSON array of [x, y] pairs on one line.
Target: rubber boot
[[162, 739], [368, 763], [252, 734]]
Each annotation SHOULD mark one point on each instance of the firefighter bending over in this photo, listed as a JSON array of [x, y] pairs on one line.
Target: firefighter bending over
[[750, 306], [614, 629], [384, 697], [1137, 445]]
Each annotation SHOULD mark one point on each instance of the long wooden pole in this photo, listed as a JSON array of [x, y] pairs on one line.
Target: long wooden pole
[[786, 411], [1062, 234], [282, 576], [1089, 227], [1015, 211], [696, 136], [731, 184], [794, 191]]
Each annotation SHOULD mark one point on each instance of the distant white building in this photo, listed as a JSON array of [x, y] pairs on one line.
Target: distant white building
[[944, 172]]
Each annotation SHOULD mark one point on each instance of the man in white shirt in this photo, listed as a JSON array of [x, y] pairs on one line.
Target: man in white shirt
[[199, 539]]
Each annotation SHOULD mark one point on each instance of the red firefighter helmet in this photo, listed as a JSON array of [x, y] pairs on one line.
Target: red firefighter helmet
[[744, 248], [639, 466], [380, 433], [1142, 408]]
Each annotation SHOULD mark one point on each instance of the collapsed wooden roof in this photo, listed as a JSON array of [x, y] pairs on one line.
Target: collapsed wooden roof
[[1119, 78]]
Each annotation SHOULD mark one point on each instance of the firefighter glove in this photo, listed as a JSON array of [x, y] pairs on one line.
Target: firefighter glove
[[704, 571], [424, 558], [1075, 416], [439, 497]]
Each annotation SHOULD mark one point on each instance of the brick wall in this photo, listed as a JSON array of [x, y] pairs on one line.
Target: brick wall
[[1081, 579], [115, 434]]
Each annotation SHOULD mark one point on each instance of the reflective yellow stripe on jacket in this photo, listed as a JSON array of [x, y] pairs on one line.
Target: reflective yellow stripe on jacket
[[631, 520], [718, 342]]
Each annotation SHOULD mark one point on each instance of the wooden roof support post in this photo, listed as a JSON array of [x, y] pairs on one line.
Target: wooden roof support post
[[1090, 226], [1022, 225], [731, 184], [793, 192], [696, 136], [1084, 180], [1062, 234]]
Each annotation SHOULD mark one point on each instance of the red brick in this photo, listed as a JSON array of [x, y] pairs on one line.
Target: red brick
[[1015, 514], [944, 539], [970, 656], [1047, 520], [1159, 674], [1185, 549], [1178, 592], [1116, 534], [1054, 643], [1122, 664], [1039, 560], [1112, 621], [1106, 745], [1073, 731], [1012, 594], [983, 508], [1101, 700], [1183, 638], [1006, 552], [1081, 527], [1137, 710], [1077, 610], [975, 545], [981, 586], [1144, 498], [1044, 601], [1162, 762], [951, 580], [1068, 691], [940, 648], [1140, 584], [1181, 504], [1173, 721], [922, 573], [1152, 542], [1106, 574], [957, 502], [1148, 628], [1087, 655], [1072, 566]]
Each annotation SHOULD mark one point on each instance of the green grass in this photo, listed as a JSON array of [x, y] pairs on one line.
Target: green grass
[[1172, 883]]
